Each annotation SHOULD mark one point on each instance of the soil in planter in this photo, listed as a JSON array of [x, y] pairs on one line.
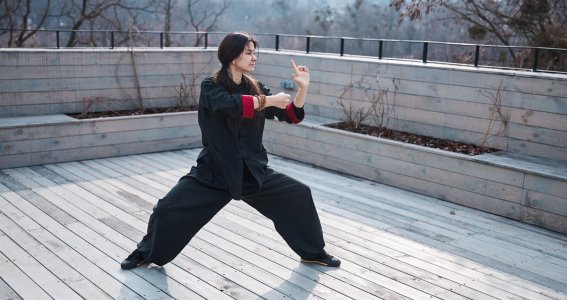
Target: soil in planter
[[119, 113], [416, 139]]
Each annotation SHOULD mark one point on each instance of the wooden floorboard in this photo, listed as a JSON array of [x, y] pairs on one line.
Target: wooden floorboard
[[64, 228]]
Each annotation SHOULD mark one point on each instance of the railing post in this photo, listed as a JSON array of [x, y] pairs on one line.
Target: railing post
[[161, 40], [476, 55], [112, 40], [342, 46], [380, 49], [277, 42], [206, 40], [536, 58], [57, 37], [307, 44], [425, 46]]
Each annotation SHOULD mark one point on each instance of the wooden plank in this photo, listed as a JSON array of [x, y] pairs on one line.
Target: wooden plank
[[100, 126], [35, 120], [261, 256], [454, 162], [416, 253], [6, 292], [70, 84], [19, 281], [72, 279], [537, 149], [93, 264], [98, 139], [173, 283], [157, 277], [26, 72], [115, 98], [259, 220], [224, 247], [226, 230], [272, 229], [526, 119], [410, 169], [251, 272], [80, 57], [529, 164], [431, 209], [526, 82], [36, 271], [300, 172], [44, 157], [141, 226]]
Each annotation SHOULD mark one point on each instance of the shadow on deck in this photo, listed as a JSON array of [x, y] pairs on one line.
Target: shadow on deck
[[65, 227]]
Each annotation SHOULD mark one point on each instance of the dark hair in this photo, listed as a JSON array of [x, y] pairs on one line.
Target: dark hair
[[229, 49]]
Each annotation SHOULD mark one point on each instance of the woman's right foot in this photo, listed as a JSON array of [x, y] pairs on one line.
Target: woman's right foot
[[326, 260], [133, 260]]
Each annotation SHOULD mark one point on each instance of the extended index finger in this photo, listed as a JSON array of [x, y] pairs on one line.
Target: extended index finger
[[294, 66]]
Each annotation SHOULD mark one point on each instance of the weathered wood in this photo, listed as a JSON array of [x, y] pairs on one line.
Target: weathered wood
[[6, 292], [36, 271], [70, 277], [112, 185], [25, 287], [393, 243], [371, 159], [95, 138], [64, 126], [444, 101]]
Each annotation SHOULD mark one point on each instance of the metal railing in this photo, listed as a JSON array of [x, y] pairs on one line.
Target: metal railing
[[534, 58]]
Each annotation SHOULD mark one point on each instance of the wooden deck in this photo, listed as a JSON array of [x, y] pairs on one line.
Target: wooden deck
[[64, 229]]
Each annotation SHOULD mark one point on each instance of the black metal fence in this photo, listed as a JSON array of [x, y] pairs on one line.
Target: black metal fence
[[536, 59]]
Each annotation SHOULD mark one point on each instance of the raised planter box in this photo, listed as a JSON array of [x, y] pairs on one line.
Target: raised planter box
[[58, 138], [499, 186]]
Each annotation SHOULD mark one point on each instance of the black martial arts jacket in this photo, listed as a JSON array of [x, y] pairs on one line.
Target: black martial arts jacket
[[232, 136]]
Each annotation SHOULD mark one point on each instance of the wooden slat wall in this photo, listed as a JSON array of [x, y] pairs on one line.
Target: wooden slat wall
[[95, 138], [36, 82], [516, 192], [438, 100]]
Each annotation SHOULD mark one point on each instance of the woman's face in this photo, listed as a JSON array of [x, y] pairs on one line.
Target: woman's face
[[246, 62]]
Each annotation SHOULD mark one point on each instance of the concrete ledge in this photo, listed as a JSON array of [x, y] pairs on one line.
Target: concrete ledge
[[29, 141], [508, 187]]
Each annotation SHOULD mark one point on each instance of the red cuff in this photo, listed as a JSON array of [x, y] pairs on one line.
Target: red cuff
[[247, 107], [291, 113]]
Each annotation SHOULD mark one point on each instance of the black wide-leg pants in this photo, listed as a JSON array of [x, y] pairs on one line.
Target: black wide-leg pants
[[190, 205]]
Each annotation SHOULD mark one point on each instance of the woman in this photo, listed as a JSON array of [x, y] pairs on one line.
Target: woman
[[233, 164]]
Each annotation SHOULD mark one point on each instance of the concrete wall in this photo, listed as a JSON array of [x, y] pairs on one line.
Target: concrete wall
[[444, 101]]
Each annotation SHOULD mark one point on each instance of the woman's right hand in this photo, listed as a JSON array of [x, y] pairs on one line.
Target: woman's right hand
[[280, 100]]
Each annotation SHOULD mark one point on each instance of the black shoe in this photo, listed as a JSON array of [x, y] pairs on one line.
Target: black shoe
[[326, 260], [132, 261]]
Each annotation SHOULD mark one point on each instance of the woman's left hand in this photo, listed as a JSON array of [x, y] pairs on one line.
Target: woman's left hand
[[300, 75]]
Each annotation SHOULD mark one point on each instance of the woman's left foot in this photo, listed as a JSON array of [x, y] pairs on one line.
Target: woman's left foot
[[326, 260], [132, 261]]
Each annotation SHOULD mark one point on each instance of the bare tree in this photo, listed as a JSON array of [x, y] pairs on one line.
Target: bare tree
[[98, 12], [204, 16], [168, 11], [540, 23], [25, 16]]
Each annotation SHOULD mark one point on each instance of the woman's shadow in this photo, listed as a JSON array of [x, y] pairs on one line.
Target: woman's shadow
[[146, 281], [298, 278]]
